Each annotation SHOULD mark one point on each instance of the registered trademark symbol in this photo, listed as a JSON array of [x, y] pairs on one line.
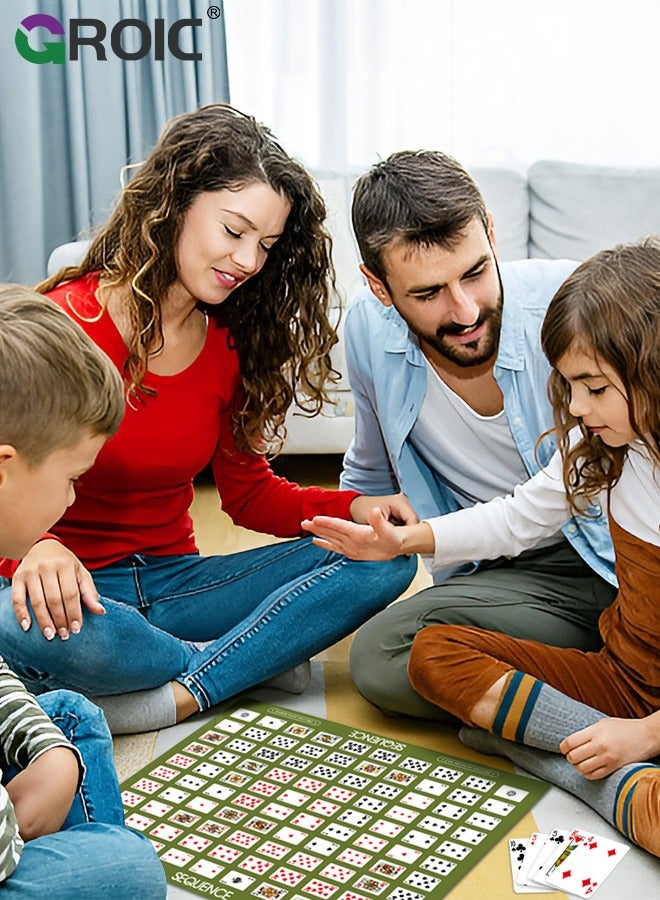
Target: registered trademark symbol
[[213, 12]]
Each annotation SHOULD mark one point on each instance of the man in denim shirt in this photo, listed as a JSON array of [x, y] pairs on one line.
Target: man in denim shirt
[[449, 382]]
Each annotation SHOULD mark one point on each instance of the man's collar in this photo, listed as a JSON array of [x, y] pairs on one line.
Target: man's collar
[[511, 352]]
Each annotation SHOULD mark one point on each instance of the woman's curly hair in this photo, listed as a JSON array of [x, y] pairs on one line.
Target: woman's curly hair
[[609, 308], [279, 318]]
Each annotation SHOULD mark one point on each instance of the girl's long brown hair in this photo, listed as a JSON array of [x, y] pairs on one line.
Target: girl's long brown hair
[[279, 318], [610, 309]]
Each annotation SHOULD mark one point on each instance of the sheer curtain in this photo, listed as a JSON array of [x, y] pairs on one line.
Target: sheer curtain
[[68, 129], [344, 82]]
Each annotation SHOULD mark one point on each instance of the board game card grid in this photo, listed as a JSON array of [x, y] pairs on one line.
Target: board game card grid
[[272, 803]]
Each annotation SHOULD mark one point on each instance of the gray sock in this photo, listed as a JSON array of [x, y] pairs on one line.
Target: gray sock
[[602, 795], [148, 710], [293, 681], [533, 713]]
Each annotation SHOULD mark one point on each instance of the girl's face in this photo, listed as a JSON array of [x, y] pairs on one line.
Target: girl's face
[[598, 397], [225, 239]]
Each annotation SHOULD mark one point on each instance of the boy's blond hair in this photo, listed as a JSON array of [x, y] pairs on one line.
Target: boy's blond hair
[[55, 384]]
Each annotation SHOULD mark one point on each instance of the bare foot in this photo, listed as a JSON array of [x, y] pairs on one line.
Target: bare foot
[[186, 705]]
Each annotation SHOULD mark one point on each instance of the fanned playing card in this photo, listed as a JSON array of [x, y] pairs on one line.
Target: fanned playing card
[[590, 862]]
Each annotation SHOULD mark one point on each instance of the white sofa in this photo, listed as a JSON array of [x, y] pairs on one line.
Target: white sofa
[[556, 210]]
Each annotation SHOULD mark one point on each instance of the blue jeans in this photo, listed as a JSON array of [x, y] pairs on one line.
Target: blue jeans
[[263, 612], [93, 855]]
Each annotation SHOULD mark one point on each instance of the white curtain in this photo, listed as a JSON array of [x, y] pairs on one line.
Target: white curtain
[[344, 82], [67, 130]]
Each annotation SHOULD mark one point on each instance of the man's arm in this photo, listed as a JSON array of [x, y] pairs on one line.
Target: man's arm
[[366, 463]]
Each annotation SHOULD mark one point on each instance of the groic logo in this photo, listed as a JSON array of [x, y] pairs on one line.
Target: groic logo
[[93, 32], [53, 51]]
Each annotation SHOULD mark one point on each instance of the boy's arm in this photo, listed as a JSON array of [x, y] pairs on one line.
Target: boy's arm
[[11, 843], [28, 736], [43, 793], [50, 768], [25, 730]]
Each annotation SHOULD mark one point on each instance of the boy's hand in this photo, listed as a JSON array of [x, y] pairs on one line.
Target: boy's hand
[[609, 744], [56, 582], [42, 793]]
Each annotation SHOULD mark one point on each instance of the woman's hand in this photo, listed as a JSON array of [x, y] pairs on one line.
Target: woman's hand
[[377, 541], [609, 744], [57, 583], [395, 507]]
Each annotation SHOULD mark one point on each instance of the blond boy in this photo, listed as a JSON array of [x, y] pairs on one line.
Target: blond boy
[[61, 821]]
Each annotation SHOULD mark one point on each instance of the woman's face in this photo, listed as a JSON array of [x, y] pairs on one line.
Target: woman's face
[[225, 239]]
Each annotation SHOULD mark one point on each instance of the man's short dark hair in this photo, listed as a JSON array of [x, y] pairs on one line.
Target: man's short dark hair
[[422, 197]]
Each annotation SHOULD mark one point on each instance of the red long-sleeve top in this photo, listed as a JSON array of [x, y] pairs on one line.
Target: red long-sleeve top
[[136, 497]]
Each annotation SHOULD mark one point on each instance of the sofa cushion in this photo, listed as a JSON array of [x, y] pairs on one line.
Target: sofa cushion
[[506, 196], [577, 209]]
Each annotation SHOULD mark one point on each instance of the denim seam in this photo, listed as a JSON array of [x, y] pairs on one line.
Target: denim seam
[[239, 576], [142, 602], [69, 736]]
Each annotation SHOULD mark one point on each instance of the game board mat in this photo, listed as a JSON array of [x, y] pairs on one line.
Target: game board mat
[[273, 803]]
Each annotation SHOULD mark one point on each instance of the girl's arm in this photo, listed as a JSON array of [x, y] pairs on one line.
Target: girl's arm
[[504, 527]]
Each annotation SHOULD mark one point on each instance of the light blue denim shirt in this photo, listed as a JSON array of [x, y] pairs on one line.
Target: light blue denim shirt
[[387, 373]]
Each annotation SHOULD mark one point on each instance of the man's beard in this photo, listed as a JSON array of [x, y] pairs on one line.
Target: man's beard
[[465, 355]]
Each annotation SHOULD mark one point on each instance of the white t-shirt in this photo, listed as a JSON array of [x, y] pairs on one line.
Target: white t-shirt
[[476, 456], [508, 525]]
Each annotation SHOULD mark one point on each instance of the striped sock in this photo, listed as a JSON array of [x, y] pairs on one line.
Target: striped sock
[[533, 713], [637, 805], [629, 798]]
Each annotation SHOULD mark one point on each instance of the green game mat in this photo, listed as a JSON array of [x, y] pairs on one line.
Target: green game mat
[[268, 802]]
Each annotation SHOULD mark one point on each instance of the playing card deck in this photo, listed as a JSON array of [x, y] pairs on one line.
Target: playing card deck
[[272, 803], [573, 861]]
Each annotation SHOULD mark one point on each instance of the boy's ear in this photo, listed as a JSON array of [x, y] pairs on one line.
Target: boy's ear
[[7, 453], [376, 286]]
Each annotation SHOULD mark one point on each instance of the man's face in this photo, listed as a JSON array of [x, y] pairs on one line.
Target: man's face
[[450, 298]]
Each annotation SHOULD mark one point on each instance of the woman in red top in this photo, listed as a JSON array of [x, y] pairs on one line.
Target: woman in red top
[[209, 289]]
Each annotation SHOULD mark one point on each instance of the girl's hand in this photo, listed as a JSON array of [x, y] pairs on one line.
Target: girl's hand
[[609, 744], [395, 507], [377, 541], [57, 583]]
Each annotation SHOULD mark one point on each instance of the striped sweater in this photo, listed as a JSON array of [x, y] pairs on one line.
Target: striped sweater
[[25, 733]]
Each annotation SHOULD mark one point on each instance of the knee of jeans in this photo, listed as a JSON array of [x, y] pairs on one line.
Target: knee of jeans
[[64, 705]]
